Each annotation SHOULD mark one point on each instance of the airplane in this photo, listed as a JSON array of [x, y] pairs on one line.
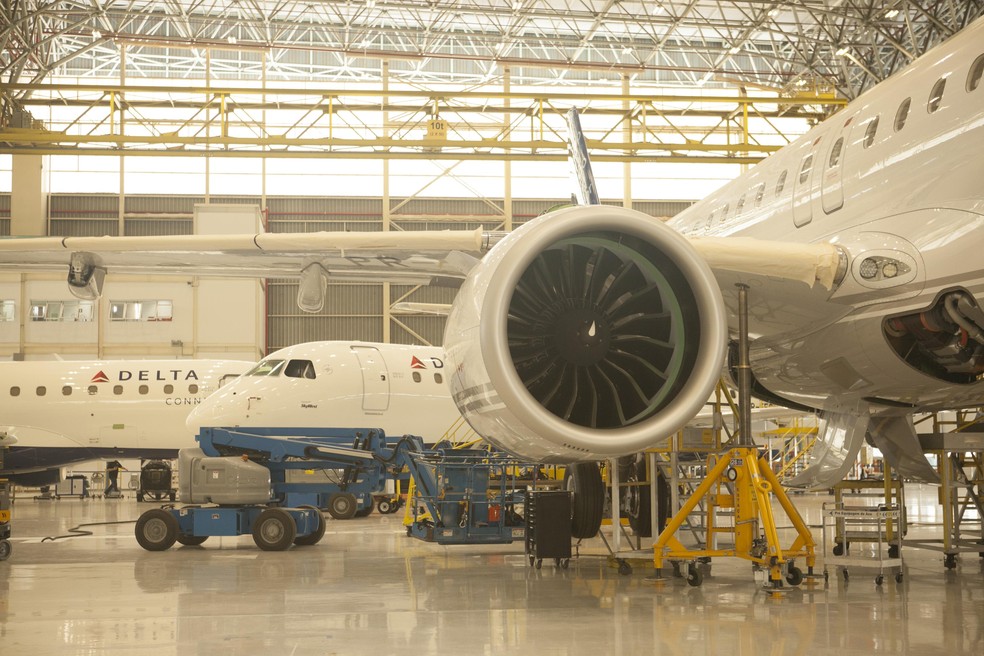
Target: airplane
[[59, 413], [595, 331]]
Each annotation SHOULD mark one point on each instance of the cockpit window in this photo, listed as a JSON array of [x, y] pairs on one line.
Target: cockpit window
[[267, 368], [299, 369]]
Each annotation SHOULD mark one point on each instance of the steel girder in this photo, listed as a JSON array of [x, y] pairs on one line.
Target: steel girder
[[843, 45]]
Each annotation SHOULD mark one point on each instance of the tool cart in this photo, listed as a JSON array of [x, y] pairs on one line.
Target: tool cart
[[548, 527]]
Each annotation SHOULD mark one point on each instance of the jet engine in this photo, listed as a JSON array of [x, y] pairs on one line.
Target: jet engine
[[587, 333]]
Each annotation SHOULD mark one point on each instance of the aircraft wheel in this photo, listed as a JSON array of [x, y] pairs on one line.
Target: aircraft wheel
[[274, 530], [156, 530], [342, 506], [588, 505], [314, 537]]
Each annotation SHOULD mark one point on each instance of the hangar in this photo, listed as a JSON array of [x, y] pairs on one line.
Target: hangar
[[341, 137]]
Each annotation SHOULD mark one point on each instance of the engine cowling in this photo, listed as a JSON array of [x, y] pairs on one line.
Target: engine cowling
[[587, 333]]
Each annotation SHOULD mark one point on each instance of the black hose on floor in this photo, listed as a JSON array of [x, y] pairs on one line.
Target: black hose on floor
[[78, 531]]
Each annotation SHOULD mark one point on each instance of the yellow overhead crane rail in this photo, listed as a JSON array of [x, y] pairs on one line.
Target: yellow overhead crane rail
[[270, 121]]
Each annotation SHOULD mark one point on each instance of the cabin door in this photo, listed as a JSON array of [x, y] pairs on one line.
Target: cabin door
[[375, 378]]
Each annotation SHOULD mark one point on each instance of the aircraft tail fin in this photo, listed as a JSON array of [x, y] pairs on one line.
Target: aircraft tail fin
[[577, 155]]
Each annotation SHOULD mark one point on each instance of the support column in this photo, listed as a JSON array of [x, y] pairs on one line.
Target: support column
[[29, 196]]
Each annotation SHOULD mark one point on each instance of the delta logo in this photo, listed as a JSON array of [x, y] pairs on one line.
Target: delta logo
[[417, 363], [148, 375]]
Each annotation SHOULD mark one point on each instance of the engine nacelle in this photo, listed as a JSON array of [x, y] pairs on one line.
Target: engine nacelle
[[587, 333]]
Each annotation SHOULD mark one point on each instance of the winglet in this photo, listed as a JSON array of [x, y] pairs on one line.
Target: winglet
[[577, 155]]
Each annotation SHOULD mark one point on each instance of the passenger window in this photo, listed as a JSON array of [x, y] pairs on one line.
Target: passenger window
[[805, 169], [117, 389], [193, 389], [41, 391], [93, 389], [936, 95], [740, 205], [299, 369], [781, 184], [438, 378], [15, 391], [759, 194], [902, 114], [835, 153], [67, 390], [143, 389], [869, 133], [724, 214], [976, 73], [416, 376]]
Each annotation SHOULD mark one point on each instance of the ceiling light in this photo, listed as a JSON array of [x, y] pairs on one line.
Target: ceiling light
[[734, 50], [891, 13], [842, 51]]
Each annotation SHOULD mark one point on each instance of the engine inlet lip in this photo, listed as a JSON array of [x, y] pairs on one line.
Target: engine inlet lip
[[540, 234]]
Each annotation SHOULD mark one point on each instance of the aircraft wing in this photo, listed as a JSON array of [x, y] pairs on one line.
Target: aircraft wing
[[420, 257], [411, 257]]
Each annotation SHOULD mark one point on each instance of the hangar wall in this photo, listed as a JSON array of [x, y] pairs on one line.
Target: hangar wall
[[352, 311]]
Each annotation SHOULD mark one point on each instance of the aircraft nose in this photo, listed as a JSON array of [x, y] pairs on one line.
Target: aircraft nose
[[212, 411]]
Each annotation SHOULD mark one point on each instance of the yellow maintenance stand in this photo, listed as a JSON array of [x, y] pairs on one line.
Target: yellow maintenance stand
[[5, 547], [744, 482]]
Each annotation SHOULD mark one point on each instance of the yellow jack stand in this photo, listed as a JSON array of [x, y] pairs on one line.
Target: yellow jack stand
[[754, 484]]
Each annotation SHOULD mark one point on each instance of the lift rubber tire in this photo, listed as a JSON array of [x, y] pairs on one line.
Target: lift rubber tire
[[893, 551], [156, 530], [588, 504], [694, 577], [342, 505], [637, 500], [794, 576], [5, 549], [274, 530], [384, 506], [365, 512], [315, 537], [191, 540]]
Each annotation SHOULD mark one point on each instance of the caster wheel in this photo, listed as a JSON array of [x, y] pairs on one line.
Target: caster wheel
[[532, 561], [539, 563], [879, 579], [950, 561], [565, 563], [624, 568], [794, 576], [694, 577], [847, 576], [898, 577], [839, 549], [826, 577]]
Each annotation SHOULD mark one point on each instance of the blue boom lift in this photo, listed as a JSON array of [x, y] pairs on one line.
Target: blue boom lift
[[267, 482]]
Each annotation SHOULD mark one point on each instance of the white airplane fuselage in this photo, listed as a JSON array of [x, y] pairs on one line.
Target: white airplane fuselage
[[907, 190], [60, 413], [398, 388]]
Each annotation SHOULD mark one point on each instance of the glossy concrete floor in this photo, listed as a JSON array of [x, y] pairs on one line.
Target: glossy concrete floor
[[369, 589]]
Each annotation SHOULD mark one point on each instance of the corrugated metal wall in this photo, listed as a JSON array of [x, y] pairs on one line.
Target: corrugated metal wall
[[4, 215], [352, 311]]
